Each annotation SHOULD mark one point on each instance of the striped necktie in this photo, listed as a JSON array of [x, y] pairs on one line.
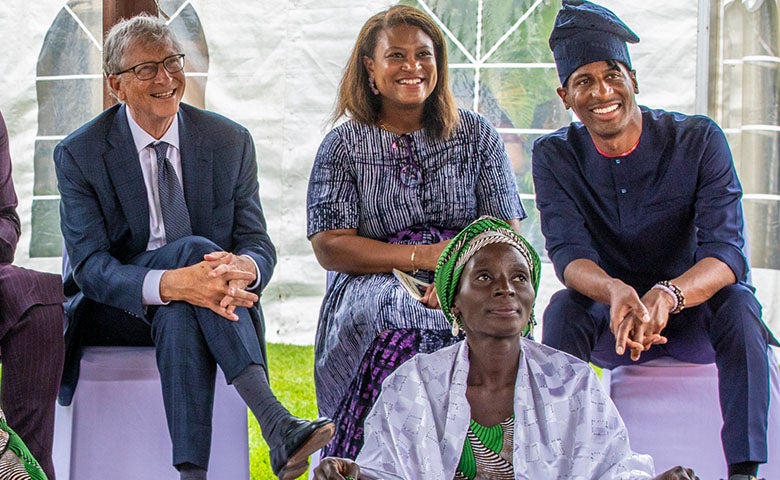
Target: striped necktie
[[176, 218]]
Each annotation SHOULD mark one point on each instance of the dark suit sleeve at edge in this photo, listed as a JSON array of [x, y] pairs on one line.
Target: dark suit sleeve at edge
[[10, 227]]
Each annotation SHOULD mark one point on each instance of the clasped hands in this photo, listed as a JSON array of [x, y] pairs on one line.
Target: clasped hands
[[218, 283], [637, 322], [335, 468]]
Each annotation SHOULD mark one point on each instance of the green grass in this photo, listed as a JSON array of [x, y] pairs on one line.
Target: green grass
[[292, 380]]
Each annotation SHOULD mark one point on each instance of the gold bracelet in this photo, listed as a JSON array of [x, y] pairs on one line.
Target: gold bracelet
[[414, 268]]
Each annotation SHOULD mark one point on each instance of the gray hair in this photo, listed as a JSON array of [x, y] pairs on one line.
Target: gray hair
[[143, 28]]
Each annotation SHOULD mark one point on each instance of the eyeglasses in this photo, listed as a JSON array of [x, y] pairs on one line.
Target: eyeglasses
[[148, 70], [411, 174]]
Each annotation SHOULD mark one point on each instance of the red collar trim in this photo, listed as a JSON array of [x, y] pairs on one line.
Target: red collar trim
[[627, 152]]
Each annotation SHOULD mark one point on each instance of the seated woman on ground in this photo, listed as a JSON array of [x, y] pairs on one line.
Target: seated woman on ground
[[495, 405], [389, 187]]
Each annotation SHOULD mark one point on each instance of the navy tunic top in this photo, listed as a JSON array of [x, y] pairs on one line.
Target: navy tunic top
[[646, 216]]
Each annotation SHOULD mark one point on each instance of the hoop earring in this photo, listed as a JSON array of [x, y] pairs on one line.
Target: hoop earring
[[372, 86]]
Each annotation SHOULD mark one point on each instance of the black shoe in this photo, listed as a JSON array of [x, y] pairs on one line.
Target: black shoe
[[301, 438]]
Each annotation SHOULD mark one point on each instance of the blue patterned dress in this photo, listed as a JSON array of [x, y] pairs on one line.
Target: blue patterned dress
[[357, 183]]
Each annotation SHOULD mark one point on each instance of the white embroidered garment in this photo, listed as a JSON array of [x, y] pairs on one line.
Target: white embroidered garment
[[566, 427]]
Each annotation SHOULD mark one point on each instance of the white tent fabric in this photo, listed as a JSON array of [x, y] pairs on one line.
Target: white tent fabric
[[274, 67]]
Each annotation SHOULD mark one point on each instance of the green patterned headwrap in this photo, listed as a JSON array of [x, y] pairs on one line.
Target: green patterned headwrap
[[481, 232]]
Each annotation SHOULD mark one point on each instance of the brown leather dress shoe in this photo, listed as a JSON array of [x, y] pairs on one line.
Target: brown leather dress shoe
[[302, 438]]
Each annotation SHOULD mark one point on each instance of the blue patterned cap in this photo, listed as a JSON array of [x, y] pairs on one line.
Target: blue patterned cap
[[585, 33]]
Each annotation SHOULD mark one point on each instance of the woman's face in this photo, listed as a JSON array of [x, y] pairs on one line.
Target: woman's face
[[495, 297], [403, 66]]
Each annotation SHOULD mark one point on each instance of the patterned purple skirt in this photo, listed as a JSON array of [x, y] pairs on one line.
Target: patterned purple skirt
[[387, 352]]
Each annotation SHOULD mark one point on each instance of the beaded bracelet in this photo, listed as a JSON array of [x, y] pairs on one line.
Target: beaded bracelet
[[675, 292], [414, 268]]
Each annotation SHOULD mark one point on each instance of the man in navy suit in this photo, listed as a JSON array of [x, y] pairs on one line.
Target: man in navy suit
[[142, 275], [30, 331]]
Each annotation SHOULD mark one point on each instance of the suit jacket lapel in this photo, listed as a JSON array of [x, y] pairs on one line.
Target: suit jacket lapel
[[127, 178], [197, 161]]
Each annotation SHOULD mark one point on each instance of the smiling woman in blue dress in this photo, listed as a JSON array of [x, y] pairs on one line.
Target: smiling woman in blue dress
[[389, 187]]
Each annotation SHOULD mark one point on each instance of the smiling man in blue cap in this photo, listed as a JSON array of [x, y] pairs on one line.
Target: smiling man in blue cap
[[642, 216]]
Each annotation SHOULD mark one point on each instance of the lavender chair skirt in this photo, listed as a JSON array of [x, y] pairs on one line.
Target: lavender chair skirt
[[686, 429], [116, 428]]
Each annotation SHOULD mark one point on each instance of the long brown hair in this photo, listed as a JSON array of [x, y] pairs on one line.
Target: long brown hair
[[355, 99]]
